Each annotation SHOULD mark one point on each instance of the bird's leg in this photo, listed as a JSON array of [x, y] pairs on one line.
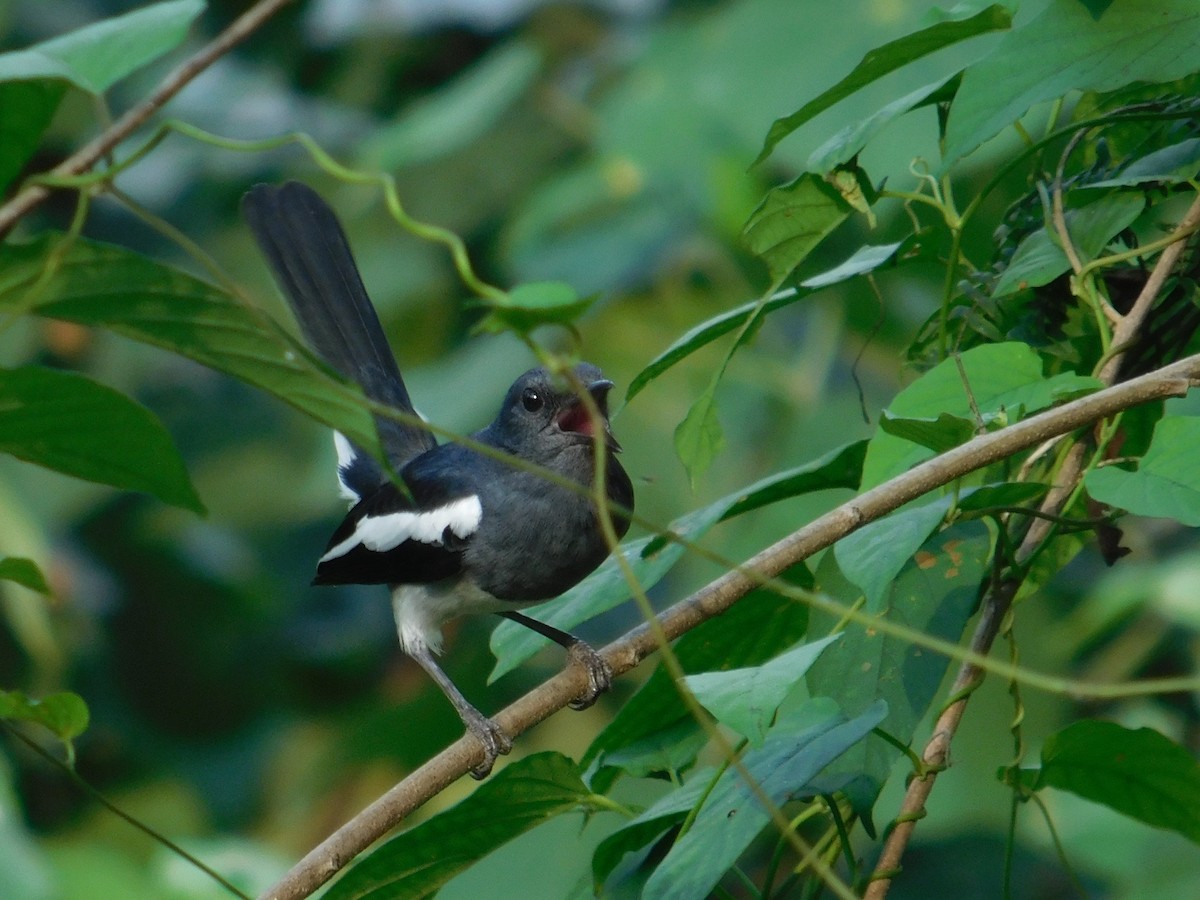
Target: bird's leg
[[495, 742], [599, 672]]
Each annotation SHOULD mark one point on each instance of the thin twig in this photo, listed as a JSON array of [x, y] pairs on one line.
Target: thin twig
[[324, 861], [99, 147], [998, 601]]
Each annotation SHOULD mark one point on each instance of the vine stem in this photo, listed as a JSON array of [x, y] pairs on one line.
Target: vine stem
[[390, 809], [999, 599], [99, 147]]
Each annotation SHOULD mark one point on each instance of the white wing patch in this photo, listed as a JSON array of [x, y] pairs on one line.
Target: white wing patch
[[345, 456], [380, 534]]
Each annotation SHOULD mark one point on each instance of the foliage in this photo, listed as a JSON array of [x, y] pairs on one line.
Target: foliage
[[765, 753]]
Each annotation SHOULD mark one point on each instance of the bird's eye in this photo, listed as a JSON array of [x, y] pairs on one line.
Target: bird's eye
[[532, 400]]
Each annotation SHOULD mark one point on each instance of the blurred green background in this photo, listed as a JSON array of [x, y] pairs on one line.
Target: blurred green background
[[605, 144]]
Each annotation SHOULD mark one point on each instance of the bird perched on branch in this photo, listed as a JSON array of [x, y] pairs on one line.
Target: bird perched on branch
[[466, 531]]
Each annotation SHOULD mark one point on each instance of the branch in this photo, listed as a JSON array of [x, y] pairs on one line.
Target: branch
[[997, 603], [87, 156], [325, 860]]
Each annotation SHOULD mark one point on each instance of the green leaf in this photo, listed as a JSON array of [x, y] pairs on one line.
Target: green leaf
[[1004, 494], [746, 699], [1039, 258], [793, 755], [734, 639], [28, 108], [418, 862], [101, 285], [459, 112], [791, 220], [936, 593], [873, 556], [885, 59], [1004, 378], [1140, 773], [24, 572], [866, 259], [65, 714], [941, 434], [66, 422], [651, 558], [1065, 49], [97, 56], [1167, 481], [1167, 165], [847, 143], [699, 438], [528, 306], [646, 827]]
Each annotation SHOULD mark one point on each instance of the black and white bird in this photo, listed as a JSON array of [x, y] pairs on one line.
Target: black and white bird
[[467, 532]]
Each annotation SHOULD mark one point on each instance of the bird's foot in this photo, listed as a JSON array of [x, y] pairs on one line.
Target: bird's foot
[[599, 673], [495, 742]]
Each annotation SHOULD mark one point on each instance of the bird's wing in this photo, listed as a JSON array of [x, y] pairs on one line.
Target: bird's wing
[[307, 249], [393, 537]]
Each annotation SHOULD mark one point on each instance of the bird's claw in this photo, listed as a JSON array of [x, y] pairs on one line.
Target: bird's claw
[[492, 738], [599, 673]]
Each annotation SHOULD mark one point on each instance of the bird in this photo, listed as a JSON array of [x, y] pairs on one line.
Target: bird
[[450, 528]]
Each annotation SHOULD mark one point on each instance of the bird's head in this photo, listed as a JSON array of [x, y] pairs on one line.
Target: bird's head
[[543, 415]]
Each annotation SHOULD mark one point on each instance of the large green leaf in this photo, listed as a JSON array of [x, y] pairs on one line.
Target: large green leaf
[[785, 767], [419, 861], [746, 699], [64, 714], [888, 58], [109, 287], [735, 639], [1003, 379], [66, 422], [24, 572], [651, 558], [791, 220], [1140, 773], [1167, 480], [1064, 49], [26, 110], [1039, 258], [935, 593], [865, 259], [97, 56]]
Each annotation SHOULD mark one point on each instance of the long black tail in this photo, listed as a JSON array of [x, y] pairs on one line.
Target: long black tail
[[306, 247]]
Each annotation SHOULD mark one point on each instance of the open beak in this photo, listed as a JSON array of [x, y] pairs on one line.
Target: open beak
[[577, 419]]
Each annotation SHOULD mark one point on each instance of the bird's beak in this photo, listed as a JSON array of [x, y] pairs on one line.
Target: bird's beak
[[576, 417]]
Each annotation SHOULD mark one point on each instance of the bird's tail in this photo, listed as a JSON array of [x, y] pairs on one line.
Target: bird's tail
[[307, 249]]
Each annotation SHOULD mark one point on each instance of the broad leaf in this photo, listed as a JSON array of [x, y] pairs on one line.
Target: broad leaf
[[109, 287], [1039, 258], [885, 59], [1064, 49], [66, 422], [783, 768], [1167, 165], [873, 556], [699, 438], [64, 714], [24, 572], [746, 699], [791, 220], [419, 861], [1002, 378], [866, 259], [1167, 480], [938, 434], [1140, 773], [26, 110], [528, 306], [734, 639], [935, 593], [97, 56], [651, 558]]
